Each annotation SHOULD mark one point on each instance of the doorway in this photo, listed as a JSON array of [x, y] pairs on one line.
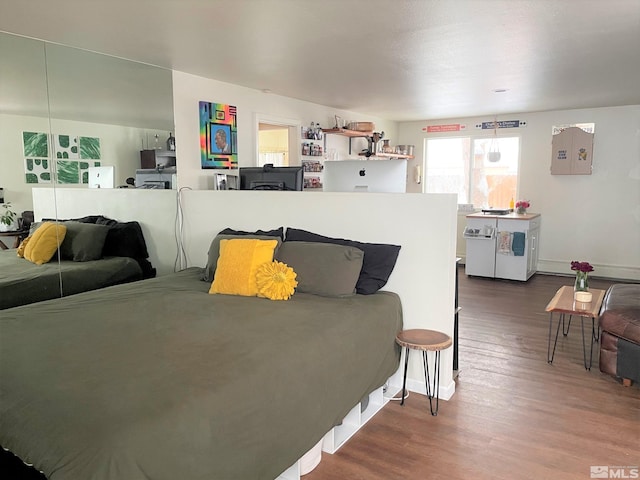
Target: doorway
[[276, 141]]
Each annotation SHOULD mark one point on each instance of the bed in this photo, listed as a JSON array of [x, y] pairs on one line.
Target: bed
[[161, 379], [119, 256]]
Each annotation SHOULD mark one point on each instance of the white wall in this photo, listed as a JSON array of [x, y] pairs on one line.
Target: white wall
[[120, 146], [593, 218], [424, 274], [189, 90]]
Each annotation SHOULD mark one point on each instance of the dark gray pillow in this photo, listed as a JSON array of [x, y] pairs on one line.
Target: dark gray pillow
[[323, 269], [214, 251], [83, 241], [34, 226], [378, 263]]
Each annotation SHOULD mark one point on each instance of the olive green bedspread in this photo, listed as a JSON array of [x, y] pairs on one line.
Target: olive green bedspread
[[22, 282], [160, 380]]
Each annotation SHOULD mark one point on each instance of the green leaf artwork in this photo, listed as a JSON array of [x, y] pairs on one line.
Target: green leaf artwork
[[66, 146], [67, 171], [37, 170], [35, 144], [90, 148]]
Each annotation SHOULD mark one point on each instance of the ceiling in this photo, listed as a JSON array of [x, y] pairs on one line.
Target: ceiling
[[396, 59]]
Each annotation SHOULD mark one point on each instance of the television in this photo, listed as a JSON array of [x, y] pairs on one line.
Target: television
[[365, 176], [102, 177], [269, 177]]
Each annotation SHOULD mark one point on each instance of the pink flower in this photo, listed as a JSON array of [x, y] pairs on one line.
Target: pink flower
[[581, 266], [523, 204]]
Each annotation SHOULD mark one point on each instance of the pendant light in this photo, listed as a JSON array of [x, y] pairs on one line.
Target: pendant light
[[494, 149]]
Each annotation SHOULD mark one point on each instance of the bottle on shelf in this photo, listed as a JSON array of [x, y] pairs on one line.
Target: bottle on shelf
[[511, 203], [171, 142]]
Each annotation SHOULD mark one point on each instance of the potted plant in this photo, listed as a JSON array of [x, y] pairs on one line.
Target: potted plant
[[7, 218]]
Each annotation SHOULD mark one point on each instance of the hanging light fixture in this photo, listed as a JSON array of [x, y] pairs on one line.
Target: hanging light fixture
[[493, 155]]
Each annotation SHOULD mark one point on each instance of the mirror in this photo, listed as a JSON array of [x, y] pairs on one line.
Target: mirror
[[112, 107], [64, 110]]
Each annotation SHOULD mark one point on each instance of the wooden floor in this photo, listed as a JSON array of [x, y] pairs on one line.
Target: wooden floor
[[513, 415]]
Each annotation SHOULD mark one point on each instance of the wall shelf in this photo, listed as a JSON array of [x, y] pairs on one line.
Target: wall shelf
[[388, 155], [345, 133]]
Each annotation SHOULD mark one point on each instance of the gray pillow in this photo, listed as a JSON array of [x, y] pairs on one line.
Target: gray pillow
[[34, 226], [324, 269], [83, 241], [214, 251]]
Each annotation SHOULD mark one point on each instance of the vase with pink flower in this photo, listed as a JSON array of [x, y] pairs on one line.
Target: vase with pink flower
[[521, 206], [582, 270]]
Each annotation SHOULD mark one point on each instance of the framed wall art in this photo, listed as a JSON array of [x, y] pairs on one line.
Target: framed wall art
[[218, 136]]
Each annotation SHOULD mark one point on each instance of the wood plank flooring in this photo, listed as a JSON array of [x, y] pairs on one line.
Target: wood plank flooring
[[513, 415]]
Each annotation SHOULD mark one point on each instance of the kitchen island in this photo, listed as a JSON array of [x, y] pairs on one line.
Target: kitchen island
[[502, 246]]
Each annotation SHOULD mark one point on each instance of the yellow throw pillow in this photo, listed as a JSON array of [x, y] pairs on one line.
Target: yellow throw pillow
[[22, 246], [276, 281], [44, 242], [238, 263]]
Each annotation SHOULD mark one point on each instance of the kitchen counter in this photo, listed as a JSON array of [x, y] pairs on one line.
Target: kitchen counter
[[502, 246], [509, 216]]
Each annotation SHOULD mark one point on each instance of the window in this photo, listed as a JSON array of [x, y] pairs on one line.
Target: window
[[461, 165]]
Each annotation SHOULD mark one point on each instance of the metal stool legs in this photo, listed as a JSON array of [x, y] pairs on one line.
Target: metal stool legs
[[431, 391]]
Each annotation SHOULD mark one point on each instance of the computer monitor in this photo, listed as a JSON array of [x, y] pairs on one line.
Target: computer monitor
[[269, 177], [102, 177], [365, 176]]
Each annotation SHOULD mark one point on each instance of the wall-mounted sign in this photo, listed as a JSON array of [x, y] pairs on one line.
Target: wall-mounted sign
[[450, 127], [501, 124], [587, 127]]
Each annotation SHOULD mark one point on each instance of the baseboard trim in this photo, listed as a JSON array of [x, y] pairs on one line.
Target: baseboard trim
[[416, 386], [612, 272]]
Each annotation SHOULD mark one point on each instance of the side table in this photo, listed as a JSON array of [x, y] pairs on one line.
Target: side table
[[13, 233], [564, 303], [425, 340]]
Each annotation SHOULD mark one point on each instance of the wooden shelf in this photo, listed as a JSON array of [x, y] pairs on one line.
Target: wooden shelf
[[388, 155], [346, 133]]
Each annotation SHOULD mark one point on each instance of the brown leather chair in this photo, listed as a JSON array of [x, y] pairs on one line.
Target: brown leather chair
[[620, 339], [24, 223]]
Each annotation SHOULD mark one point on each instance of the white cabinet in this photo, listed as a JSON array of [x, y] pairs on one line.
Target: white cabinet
[[504, 246]]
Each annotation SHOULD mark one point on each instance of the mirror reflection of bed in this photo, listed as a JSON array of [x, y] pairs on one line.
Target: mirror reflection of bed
[[166, 355], [94, 252]]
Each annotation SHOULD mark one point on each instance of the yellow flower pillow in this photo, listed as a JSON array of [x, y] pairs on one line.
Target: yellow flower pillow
[[23, 246], [276, 281], [238, 264], [44, 242]]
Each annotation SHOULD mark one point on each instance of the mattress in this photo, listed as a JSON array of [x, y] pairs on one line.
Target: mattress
[[22, 282], [160, 380]]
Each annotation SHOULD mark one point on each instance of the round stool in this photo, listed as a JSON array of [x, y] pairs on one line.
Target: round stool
[[425, 340]]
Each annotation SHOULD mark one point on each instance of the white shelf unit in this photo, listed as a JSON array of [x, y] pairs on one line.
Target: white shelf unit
[[354, 421], [312, 164]]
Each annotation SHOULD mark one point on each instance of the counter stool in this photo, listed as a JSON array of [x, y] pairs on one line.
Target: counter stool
[[425, 340]]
